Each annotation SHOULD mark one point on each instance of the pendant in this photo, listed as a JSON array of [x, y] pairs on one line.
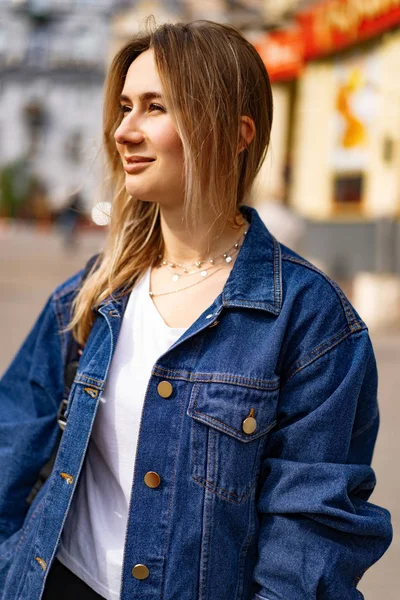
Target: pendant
[[175, 277], [204, 273], [228, 259]]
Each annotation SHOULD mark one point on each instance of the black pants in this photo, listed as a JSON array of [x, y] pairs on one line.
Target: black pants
[[62, 584]]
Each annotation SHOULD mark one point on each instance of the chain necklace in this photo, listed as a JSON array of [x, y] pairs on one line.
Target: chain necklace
[[226, 257], [176, 276], [151, 294]]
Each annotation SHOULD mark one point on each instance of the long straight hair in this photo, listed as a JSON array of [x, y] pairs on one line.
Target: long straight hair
[[211, 76]]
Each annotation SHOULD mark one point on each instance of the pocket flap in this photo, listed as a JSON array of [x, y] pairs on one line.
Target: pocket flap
[[225, 406]]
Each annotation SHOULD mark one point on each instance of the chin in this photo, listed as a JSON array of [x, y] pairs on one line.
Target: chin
[[137, 191], [140, 194]]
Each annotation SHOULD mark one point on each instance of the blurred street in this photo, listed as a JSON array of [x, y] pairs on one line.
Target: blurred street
[[33, 264]]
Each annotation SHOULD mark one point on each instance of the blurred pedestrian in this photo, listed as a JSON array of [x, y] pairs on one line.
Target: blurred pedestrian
[[69, 218], [221, 410]]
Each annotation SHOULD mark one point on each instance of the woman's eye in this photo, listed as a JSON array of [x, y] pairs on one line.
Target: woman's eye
[[156, 107], [124, 108]]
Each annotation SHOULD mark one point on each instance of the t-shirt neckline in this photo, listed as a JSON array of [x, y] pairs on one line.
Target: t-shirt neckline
[[146, 284]]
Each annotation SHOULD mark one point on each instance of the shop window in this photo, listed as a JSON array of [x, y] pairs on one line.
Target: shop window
[[348, 189]]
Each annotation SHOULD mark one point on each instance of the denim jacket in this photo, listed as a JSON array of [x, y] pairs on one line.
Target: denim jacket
[[263, 443]]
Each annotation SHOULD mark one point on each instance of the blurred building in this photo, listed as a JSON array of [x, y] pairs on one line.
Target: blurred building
[[248, 15], [335, 150], [336, 138], [129, 19], [53, 58], [52, 65]]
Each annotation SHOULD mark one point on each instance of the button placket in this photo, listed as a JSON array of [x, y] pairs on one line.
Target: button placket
[[152, 479]]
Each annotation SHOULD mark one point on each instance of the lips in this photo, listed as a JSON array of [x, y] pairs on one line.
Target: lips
[[137, 166], [138, 159]]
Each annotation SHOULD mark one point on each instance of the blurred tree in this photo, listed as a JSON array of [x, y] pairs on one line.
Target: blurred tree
[[21, 192]]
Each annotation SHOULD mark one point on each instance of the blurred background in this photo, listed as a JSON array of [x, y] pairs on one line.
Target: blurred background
[[329, 188]]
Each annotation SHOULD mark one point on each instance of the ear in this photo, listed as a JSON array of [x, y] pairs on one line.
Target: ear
[[247, 132]]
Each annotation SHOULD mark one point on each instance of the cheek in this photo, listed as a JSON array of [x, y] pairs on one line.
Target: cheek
[[169, 142]]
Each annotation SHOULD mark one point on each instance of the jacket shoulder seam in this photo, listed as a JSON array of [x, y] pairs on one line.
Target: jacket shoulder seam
[[354, 323], [67, 288], [320, 350]]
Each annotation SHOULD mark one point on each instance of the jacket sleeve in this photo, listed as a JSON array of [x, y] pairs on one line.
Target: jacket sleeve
[[318, 533], [30, 393]]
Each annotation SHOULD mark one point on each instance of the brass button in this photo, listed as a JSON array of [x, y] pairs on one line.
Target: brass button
[[152, 479], [68, 478], [164, 388], [213, 324], [249, 425], [140, 572]]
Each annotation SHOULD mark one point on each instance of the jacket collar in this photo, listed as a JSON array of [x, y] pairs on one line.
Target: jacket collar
[[255, 280]]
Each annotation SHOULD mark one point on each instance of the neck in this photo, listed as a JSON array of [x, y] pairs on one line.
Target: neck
[[180, 246]]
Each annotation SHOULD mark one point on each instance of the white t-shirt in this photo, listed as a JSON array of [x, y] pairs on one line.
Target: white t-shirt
[[93, 538]]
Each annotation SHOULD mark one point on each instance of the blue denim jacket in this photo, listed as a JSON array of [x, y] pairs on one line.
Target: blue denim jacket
[[272, 509]]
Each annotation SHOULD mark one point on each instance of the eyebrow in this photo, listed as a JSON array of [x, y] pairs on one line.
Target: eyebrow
[[143, 97]]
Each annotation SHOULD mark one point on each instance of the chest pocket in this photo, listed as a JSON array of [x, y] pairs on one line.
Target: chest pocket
[[230, 425]]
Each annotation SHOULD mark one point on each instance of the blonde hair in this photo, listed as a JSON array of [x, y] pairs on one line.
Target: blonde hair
[[211, 76]]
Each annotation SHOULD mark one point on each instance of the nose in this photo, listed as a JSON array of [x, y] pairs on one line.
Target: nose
[[128, 132]]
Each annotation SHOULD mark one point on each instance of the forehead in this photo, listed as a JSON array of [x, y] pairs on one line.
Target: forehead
[[142, 75]]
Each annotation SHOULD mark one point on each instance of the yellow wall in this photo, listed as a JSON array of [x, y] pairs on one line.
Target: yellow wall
[[269, 183], [383, 196], [311, 193]]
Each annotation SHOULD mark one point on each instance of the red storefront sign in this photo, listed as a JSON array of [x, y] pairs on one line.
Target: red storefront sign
[[325, 28], [337, 24], [282, 53]]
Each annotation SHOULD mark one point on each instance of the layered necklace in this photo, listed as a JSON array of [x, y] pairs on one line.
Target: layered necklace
[[204, 267]]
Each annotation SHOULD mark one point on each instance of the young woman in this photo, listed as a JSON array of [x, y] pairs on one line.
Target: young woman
[[221, 423]]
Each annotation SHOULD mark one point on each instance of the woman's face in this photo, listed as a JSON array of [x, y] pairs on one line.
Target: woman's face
[[146, 131]]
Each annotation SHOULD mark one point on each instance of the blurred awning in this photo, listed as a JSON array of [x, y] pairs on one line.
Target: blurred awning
[[282, 53], [323, 29], [334, 25]]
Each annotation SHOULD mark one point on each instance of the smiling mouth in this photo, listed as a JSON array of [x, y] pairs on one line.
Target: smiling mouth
[[133, 167], [134, 159]]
